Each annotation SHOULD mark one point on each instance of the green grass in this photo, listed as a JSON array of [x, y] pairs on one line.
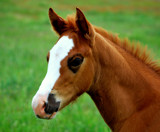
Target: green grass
[[26, 37]]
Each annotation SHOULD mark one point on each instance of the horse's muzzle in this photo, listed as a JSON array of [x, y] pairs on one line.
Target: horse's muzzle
[[44, 107]]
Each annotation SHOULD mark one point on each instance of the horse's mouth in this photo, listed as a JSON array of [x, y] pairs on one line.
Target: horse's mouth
[[52, 115], [47, 109], [48, 117]]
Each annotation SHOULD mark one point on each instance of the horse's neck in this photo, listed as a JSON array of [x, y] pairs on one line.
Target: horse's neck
[[120, 89]]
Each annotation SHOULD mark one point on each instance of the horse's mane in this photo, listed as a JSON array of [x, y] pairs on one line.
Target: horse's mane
[[135, 49]]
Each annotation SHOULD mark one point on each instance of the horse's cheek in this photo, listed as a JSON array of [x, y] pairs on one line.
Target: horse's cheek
[[87, 77]]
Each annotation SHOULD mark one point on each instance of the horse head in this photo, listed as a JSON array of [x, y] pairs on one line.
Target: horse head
[[71, 68]]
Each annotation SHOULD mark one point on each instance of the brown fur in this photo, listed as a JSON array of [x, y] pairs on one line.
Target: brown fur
[[121, 78], [139, 52], [135, 49]]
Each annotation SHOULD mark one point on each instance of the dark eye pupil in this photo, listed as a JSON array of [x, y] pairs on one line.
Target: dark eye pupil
[[76, 62]]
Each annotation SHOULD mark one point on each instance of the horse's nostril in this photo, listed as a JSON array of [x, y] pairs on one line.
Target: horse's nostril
[[52, 105], [56, 109], [48, 109], [44, 105]]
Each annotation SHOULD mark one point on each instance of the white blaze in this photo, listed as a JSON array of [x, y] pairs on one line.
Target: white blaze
[[57, 54]]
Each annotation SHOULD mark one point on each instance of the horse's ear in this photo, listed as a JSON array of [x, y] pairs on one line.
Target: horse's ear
[[81, 22], [83, 25], [57, 22]]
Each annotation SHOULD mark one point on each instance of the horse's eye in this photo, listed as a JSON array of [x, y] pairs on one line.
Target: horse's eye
[[74, 63]]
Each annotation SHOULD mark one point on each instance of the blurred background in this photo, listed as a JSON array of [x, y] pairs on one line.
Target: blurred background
[[25, 39]]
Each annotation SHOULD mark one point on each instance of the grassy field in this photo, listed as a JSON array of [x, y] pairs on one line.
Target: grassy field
[[26, 37]]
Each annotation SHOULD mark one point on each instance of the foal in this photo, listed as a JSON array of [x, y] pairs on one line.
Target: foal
[[122, 81]]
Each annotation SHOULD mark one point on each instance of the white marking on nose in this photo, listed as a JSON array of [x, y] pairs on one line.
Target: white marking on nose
[[57, 54]]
